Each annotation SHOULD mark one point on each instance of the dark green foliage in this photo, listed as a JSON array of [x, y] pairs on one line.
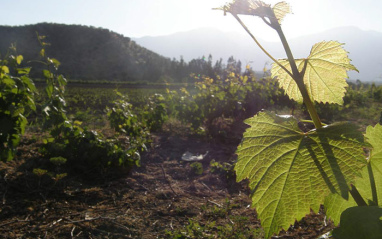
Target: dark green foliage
[[88, 53], [217, 167], [361, 101], [123, 120], [58, 161], [81, 147], [87, 149], [16, 99], [237, 96], [181, 105], [154, 112]]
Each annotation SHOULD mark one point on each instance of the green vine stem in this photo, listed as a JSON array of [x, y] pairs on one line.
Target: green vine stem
[[296, 75], [259, 45], [298, 78]]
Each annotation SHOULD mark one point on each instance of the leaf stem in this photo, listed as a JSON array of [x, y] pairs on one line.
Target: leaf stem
[[259, 45], [310, 121], [295, 74], [298, 78]]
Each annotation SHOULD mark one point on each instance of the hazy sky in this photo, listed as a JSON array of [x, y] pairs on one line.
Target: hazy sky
[[136, 18]]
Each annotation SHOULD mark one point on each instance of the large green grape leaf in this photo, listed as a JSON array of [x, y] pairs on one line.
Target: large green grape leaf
[[325, 73], [291, 172], [335, 205]]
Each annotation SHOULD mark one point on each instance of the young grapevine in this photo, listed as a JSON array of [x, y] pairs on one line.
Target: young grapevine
[[292, 171]]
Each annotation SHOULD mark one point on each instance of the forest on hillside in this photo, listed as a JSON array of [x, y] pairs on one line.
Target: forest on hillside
[[111, 57]]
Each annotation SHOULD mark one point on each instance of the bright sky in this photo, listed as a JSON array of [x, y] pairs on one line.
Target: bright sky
[[137, 18]]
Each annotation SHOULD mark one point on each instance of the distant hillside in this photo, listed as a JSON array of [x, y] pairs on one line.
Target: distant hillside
[[364, 47], [87, 53]]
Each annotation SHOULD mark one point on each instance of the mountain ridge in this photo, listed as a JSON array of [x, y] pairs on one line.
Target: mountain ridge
[[362, 46], [89, 53]]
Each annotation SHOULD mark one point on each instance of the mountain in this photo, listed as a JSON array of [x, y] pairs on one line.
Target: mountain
[[363, 47], [89, 53], [86, 53]]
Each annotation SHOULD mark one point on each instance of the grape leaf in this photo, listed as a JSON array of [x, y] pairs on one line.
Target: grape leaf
[[3, 70], [42, 52], [374, 137], [291, 172], [324, 73], [335, 205], [19, 59], [248, 7], [281, 9]]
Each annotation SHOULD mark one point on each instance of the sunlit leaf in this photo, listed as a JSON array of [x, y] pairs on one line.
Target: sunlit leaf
[[45, 44], [19, 59], [61, 80], [42, 53], [281, 9], [324, 76], [23, 71], [9, 82], [30, 103], [49, 90], [41, 37], [23, 123], [4, 70], [336, 205], [27, 81], [55, 62], [77, 122], [291, 172], [17, 111], [15, 140], [47, 74]]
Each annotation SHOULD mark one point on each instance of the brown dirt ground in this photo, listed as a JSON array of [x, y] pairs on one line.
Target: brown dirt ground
[[162, 194]]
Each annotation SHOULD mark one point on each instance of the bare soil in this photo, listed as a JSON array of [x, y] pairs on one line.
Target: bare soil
[[161, 195]]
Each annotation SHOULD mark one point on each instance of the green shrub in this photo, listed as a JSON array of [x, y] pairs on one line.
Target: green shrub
[[16, 99]]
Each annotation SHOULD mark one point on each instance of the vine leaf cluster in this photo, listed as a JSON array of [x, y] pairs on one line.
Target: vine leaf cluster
[[290, 171], [17, 92]]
